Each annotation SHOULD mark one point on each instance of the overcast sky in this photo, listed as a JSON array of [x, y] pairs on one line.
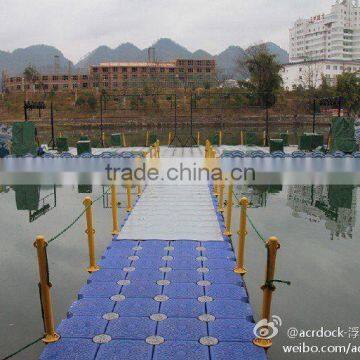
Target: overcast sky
[[79, 26]]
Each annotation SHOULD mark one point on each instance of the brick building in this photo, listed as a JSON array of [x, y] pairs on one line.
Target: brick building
[[122, 75]]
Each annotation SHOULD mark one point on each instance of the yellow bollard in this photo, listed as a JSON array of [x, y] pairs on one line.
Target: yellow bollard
[[147, 139], [90, 231], [229, 205], [114, 205], [198, 138], [158, 149], [241, 138], [103, 137], [139, 192], [273, 246], [221, 198], [239, 269], [128, 193], [45, 285], [124, 140], [169, 138], [220, 138]]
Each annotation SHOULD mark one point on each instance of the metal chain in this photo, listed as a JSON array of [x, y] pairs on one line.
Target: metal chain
[[77, 218]]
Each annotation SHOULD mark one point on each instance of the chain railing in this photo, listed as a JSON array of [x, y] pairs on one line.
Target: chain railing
[[41, 245], [272, 245]]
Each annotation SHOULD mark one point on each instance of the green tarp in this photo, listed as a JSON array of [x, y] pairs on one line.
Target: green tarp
[[23, 138], [343, 135]]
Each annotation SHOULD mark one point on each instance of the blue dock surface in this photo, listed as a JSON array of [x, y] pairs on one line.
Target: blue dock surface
[[160, 300]]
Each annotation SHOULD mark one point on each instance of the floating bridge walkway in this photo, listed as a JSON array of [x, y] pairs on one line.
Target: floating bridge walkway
[[166, 288]]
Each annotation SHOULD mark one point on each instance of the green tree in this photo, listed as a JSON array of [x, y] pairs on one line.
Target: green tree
[[91, 102], [264, 81], [348, 87]]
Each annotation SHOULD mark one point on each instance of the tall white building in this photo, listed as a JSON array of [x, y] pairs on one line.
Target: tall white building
[[332, 36], [324, 46]]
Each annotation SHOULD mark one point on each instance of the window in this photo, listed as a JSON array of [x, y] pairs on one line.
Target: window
[[328, 67], [162, 70], [75, 77], [115, 69], [84, 77], [55, 78], [172, 70], [115, 77], [74, 85], [190, 70], [124, 69], [105, 69], [95, 69], [45, 78], [134, 69], [208, 70], [335, 67], [65, 86], [105, 77], [85, 85], [199, 70], [65, 77], [144, 70], [190, 62]]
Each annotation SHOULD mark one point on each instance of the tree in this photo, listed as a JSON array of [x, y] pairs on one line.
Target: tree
[[264, 78], [348, 88], [31, 75]]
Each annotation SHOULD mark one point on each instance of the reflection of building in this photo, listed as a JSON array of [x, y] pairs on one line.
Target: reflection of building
[[334, 204], [257, 194], [121, 75]]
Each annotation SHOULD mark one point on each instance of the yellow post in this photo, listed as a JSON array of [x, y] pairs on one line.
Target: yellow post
[[229, 205], [158, 148], [220, 138], [273, 245], [241, 138], [45, 285], [239, 269], [128, 193], [114, 205], [147, 139], [169, 138], [103, 137], [264, 138], [198, 138], [124, 140], [139, 192], [90, 231], [221, 197]]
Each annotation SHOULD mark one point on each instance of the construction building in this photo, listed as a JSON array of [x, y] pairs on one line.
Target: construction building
[[120, 76]]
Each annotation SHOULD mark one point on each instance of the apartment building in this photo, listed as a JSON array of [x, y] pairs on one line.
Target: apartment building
[[122, 75], [324, 45], [309, 74], [332, 36]]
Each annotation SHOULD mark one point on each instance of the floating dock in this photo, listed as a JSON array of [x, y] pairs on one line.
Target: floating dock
[[166, 288]]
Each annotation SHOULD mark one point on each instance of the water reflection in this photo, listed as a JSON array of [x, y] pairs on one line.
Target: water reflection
[[28, 197], [333, 204]]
